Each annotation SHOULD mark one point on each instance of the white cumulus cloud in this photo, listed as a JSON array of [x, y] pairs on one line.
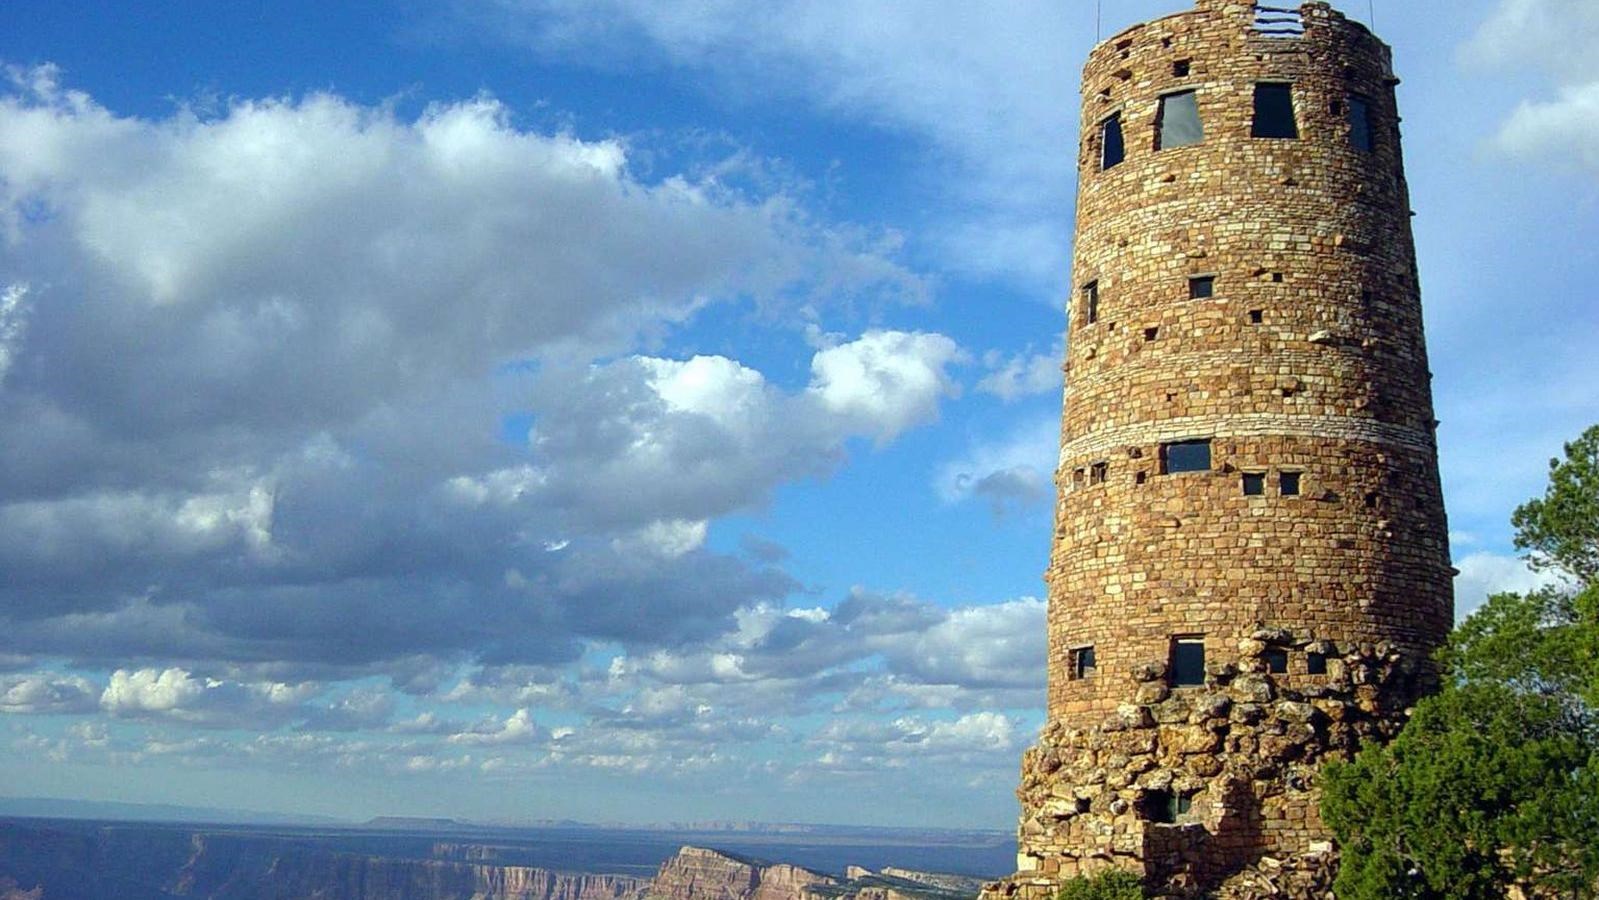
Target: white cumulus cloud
[[46, 693], [886, 381]]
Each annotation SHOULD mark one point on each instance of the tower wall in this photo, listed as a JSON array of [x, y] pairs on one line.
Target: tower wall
[[1316, 608]]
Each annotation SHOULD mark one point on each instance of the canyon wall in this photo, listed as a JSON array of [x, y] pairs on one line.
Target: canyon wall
[[134, 863], [59, 861]]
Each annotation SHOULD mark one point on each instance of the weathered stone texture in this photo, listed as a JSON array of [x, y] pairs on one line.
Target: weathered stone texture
[[1308, 361]]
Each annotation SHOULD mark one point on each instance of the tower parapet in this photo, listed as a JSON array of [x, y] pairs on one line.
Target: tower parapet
[[1250, 563]]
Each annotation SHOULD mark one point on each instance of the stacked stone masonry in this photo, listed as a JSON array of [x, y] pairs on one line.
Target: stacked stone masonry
[[1259, 294]]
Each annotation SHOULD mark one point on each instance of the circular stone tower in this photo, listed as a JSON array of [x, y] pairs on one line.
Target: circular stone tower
[[1250, 563]]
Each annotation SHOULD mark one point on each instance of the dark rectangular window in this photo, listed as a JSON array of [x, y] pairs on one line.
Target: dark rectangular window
[[1091, 302], [1082, 662], [1178, 124], [1274, 111], [1097, 472], [1185, 456], [1165, 807], [1316, 663], [1288, 484], [1201, 286], [1276, 660], [1254, 484], [1360, 133], [1179, 68], [1112, 149], [1188, 661], [1257, 316]]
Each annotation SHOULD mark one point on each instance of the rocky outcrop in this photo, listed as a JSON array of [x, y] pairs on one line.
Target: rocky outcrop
[[1309, 875], [10, 890], [898, 884], [960, 884], [696, 873]]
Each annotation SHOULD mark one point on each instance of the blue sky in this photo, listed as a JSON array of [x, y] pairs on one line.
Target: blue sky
[[516, 409]]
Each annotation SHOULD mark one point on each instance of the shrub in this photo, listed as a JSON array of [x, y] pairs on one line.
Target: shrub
[[1114, 884]]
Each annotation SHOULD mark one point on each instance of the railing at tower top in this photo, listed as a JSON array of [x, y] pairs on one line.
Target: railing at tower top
[[1279, 21]]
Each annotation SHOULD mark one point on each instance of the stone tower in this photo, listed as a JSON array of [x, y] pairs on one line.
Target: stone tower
[[1250, 563]]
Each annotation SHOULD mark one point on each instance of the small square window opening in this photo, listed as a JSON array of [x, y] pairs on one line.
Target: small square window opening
[[1151, 333], [1276, 660], [1257, 316], [1180, 67], [1254, 484], [1288, 484], [1316, 663], [1097, 472], [1188, 661], [1201, 286]]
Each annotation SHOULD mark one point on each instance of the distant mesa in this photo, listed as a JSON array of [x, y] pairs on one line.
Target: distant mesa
[[415, 823]]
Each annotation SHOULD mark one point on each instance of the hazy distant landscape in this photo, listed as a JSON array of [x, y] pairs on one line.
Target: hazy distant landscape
[[565, 846], [399, 859]]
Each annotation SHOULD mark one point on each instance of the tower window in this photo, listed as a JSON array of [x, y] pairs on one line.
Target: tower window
[[1188, 661], [1185, 456], [1082, 662], [1316, 663], [1097, 472], [1165, 807], [1254, 484], [1091, 302], [1360, 133], [1151, 333], [1112, 149], [1179, 68], [1178, 124], [1288, 484], [1276, 659], [1078, 476], [1201, 286], [1257, 316], [1274, 111]]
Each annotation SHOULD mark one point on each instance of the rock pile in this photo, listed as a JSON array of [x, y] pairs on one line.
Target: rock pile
[[1190, 785]]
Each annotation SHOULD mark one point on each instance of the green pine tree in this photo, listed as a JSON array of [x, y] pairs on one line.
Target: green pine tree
[[1495, 780]]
